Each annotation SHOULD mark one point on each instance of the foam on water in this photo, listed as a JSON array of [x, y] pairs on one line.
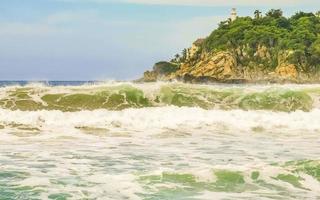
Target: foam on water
[[160, 151], [159, 119]]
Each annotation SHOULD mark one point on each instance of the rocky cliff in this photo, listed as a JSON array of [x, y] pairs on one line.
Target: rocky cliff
[[228, 66]]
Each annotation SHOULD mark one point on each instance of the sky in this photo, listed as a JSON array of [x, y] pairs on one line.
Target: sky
[[109, 39]]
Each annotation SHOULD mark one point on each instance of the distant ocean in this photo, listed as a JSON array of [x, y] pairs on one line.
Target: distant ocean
[[48, 83]]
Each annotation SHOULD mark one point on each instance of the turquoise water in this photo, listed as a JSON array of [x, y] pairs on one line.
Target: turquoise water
[[166, 141]]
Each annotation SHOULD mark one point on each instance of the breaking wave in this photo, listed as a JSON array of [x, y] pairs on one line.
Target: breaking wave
[[120, 96]]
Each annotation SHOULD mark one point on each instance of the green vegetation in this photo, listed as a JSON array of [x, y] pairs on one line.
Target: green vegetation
[[298, 36], [165, 68]]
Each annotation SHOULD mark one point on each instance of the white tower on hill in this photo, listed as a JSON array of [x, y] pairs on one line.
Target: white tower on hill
[[233, 14]]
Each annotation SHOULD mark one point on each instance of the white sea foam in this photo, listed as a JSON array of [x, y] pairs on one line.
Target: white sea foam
[[104, 154], [154, 119]]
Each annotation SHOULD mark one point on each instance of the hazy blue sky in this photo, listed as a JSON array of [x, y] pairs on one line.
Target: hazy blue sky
[[109, 39]]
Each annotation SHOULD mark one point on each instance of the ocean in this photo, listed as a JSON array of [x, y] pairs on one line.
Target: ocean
[[158, 141]]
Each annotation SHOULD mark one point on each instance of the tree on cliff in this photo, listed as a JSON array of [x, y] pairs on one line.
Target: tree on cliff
[[164, 68], [176, 58], [257, 14], [275, 13], [184, 55]]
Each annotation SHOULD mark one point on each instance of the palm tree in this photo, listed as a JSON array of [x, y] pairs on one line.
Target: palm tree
[[257, 14], [184, 54], [275, 13], [177, 57]]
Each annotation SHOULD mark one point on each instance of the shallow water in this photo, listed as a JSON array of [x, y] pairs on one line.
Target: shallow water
[[163, 151]]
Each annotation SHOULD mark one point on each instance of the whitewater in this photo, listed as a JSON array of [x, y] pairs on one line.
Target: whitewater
[[122, 140]]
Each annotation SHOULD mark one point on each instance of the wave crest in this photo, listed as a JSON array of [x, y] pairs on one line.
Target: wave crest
[[120, 96]]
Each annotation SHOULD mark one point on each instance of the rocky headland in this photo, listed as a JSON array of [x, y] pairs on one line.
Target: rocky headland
[[270, 48]]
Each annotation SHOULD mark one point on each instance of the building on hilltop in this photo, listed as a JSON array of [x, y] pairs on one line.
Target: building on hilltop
[[197, 44], [233, 14]]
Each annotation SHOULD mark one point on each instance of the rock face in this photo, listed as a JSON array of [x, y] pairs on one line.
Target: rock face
[[262, 52], [218, 66], [287, 71], [195, 48], [234, 65]]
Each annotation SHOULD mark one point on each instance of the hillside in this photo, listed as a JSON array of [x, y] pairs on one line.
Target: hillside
[[269, 48]]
